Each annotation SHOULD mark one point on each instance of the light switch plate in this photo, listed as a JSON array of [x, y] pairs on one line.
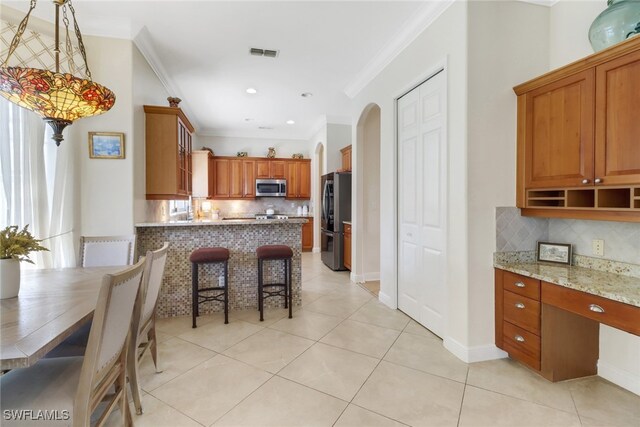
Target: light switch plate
[[598, 247]]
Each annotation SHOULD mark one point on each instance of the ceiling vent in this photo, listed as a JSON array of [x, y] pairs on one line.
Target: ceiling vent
[[264, 52]]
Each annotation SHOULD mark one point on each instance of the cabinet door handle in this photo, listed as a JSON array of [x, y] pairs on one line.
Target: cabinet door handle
[[519, 284], [519, 305], [585, 181], [596, 308], [519, 338], [597, 181]]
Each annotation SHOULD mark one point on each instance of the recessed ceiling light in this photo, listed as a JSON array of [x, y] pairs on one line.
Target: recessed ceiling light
[[251, 90], [265, 127], [248, 119], [291, 122], [306, 94]]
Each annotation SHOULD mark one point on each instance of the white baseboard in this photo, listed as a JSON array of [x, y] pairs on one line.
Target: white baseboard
[[366, 277], [624, 379], [386, 300], [315, 250], [357, 278], [473, 354]]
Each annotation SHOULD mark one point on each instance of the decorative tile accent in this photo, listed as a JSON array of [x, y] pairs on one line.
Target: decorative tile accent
[[518, 233], [242, 242]]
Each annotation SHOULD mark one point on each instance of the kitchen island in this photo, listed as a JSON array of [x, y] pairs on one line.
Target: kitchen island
[[241, 237]]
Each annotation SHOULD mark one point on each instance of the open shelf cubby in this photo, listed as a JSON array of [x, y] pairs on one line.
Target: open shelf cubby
[[582, 198], [614, 198]]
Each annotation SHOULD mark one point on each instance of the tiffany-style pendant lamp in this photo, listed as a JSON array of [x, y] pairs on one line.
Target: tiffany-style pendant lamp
[[60, 98]]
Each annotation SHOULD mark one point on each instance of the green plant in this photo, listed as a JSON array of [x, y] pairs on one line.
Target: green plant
[[18, 244]]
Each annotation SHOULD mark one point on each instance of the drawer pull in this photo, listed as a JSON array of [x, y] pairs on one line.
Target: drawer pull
[[519, 305], [519, 284], [519, 338], [596, 308]]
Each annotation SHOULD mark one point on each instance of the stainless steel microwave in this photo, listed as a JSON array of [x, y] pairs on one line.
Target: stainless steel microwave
[[271, 187]]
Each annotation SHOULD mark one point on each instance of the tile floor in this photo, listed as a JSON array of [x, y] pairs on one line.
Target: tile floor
[[347, 360]]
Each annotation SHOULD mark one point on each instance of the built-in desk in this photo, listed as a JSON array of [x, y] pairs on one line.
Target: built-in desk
[[548, 316]]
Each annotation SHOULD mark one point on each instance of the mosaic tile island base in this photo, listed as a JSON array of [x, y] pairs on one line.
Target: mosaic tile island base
[[242, 238]]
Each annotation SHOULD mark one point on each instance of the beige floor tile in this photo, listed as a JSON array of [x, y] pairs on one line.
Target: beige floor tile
[[415, 328], [322, 286], [590, 422], [598, 399], [372, 287], [411, 396], [428, 355], [485, 408], [355, 416], [362, 338], [508, 377], [208, 391], [335, 305], [175, 326], [310, 296], [271, 316], [218, 337], [376, 313], [156, 414], [332, 370], [175, 357], [307, 324], [281, 403], [269, 349]]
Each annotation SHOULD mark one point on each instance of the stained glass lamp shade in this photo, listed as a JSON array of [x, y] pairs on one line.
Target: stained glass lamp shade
[[60, 98]]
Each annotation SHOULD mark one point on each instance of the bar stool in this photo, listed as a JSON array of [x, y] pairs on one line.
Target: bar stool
[[271, 253], [198, 296]]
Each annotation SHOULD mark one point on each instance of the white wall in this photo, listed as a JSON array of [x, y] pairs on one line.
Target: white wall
[[508, 44], [255, 147], [338, 137], [318, 168], [147, 90], [444, 40], [570, 22]]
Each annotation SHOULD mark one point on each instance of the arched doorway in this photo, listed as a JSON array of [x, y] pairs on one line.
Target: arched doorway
[[366, 233]]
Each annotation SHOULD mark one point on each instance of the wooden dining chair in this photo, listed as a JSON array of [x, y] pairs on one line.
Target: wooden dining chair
[[76, 386], [101, 251], [144, 330]]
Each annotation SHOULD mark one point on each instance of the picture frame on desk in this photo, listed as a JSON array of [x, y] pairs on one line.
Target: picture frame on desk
[[557, 253], [106, 145]]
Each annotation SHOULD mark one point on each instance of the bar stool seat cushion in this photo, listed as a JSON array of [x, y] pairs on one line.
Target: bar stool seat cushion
[[274, 252], [206, 255]]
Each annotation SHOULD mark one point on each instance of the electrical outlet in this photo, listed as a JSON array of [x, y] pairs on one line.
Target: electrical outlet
[[221, 281], [598, 247]]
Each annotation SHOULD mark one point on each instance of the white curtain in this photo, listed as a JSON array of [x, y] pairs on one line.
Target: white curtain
[[33, 184]]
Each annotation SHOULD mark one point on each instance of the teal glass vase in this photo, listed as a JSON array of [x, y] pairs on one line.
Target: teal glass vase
[[619, 21]]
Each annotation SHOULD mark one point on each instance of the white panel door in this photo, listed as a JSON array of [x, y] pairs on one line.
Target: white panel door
[[422, 186]]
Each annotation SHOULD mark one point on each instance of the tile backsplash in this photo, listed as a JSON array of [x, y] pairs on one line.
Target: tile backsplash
[[518, 233]]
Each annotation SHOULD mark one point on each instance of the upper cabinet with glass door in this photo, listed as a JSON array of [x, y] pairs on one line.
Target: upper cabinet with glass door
[[578, 127]]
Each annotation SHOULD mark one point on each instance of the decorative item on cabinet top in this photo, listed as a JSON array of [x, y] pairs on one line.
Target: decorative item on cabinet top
[[297, 156], [272, 153], [173, 101], [619, 21], [242, 154]]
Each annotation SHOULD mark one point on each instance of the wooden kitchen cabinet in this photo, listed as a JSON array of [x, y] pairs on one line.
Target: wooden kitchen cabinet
[[202, 162], [346, 158], [168, 140], [307, 235], [346, 242], [270, 168], [298, 176], [233, 178], [578, 155]]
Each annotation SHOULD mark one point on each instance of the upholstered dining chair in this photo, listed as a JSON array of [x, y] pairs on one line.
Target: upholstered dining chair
[[144, 330], [100, 251], [75, 386]]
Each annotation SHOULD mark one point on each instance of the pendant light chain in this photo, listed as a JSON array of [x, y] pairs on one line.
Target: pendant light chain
[[68, 46], [80, 43], [18, 36]]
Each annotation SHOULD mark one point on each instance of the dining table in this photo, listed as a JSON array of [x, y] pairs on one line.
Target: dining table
[[52, 305]]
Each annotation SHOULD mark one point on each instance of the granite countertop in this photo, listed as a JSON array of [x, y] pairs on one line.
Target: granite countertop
[[232, 221], [606, 284]]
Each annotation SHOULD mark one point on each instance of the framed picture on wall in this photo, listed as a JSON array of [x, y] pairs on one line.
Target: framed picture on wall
[[106, 145], [559, 253]]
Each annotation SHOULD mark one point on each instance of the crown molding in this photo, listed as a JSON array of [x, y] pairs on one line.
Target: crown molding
[[144, 43], [410, 31]]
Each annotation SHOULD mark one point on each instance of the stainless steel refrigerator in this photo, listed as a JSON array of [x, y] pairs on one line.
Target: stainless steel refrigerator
[[336, 208]]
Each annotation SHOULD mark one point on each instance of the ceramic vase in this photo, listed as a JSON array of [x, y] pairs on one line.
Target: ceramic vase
[[9, 278], [619, 21]]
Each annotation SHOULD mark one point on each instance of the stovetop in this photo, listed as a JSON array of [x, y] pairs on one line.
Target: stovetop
[[265, 216]]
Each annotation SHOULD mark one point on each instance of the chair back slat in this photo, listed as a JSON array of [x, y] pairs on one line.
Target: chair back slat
[[99, 251], [158, 261]]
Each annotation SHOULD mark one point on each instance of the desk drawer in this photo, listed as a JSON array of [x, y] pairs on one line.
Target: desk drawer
[[522, 311], [522, 345], [612, 313], [521, 285]]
